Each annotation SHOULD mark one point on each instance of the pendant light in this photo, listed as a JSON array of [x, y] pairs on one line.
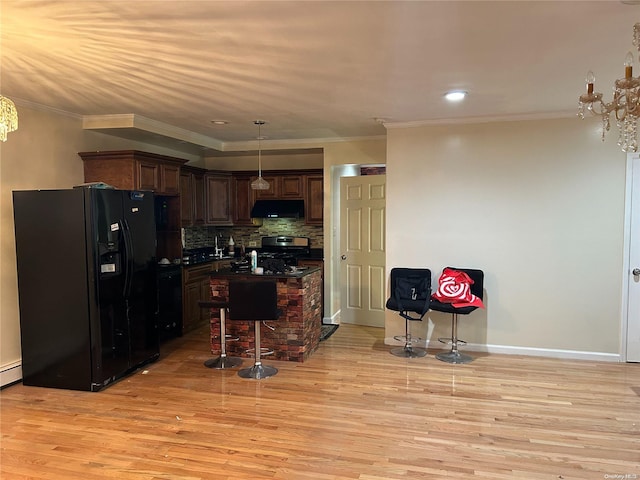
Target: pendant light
[[259, 183]]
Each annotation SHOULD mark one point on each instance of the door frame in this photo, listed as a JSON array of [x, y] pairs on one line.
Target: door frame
[[626, 266], [342, 268]]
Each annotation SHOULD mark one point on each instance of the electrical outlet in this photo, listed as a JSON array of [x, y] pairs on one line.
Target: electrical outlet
[[253, 244]]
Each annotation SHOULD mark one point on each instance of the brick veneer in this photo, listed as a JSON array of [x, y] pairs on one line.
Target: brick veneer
[[297, 332]]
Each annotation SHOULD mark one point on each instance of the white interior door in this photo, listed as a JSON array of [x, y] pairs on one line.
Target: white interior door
[[633, 291], [362, 247]]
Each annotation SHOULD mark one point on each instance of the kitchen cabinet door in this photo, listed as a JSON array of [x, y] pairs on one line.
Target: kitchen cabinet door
[[186, 199], [192, 196], [314, 201], [291, 186], [191, 310], [196, 287], [199, 199], [169, 179], [218, 193], [243, 199], [272, 192], [148, 176]]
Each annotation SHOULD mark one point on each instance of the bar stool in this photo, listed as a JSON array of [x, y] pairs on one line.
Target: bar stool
[[223, 361], [256, 301], [477, 288], [410, 294]]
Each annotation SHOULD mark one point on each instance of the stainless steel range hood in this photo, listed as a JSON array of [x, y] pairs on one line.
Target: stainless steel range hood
[[278, 209]]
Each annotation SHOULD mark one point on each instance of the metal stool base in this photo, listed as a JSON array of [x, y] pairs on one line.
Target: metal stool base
[[408, 352], [258, 371], [222, 362], [453, 356]]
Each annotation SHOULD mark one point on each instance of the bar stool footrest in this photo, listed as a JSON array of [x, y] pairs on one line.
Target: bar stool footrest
[[403, 338], [449, 341]]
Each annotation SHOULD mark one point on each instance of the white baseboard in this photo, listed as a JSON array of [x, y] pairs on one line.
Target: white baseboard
[[529, 351], [333, 320], [10, 373]]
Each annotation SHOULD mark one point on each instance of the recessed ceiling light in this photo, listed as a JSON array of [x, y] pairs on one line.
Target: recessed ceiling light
[[219, 122], [455, 95]]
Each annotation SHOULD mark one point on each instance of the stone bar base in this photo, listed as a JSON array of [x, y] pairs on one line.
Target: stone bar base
[[296, 333]]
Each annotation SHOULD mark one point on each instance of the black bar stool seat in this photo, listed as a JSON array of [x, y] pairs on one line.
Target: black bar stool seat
[[256, 301]]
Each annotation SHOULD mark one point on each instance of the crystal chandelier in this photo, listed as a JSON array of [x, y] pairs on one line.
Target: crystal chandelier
[[259, 183], [625, 104], [8, 117]]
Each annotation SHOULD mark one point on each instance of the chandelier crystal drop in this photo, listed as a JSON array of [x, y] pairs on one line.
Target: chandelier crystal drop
[[8, 117], [625, 104], [259, 183]]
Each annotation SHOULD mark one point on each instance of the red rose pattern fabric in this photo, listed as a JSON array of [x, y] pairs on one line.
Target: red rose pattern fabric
[[454, 287]]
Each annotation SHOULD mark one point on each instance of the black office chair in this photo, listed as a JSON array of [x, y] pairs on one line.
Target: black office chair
[[257, 301], [410, 293], [453, 355], [223, 361]]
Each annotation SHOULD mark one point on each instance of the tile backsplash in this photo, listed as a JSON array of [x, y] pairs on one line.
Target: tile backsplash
[[196, 237]]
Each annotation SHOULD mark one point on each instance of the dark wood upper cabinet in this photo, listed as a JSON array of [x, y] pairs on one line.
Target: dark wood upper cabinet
[[292, 186], [186, 198], [134, 170], [192, 196], [242, 198], [199, 199], [282, 186], [307, 185], [218, 194], [314, 201], [272, 192], [170, 178]]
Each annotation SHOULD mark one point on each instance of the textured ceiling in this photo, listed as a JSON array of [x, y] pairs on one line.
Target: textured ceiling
[[314, 70]]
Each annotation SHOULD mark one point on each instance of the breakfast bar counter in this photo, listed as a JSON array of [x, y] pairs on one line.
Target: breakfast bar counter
[[296, 333]]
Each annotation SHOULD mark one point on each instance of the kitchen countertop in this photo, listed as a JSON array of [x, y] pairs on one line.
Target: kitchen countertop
[[228, 273], [207, 262]]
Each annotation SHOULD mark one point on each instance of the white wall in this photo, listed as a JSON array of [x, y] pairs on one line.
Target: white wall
[[537, 205]]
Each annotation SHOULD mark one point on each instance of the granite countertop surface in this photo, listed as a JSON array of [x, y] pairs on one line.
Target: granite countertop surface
[[228, 273]]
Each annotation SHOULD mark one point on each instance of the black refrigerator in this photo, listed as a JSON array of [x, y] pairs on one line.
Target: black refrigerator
[[86, 262]]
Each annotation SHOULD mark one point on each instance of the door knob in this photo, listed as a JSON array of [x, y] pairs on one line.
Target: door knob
[[344, 257], [636, 271]]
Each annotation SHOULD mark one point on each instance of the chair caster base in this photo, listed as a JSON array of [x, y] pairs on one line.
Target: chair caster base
[[220, 363], [454, 356], [408, 352], [257, 372]]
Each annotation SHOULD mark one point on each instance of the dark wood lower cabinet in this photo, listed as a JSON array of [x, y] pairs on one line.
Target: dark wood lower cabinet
[[196, 287]]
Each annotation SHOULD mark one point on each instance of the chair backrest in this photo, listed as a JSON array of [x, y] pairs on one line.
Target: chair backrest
[[253, 300], [420, 277], [410, 289], [477, 288]]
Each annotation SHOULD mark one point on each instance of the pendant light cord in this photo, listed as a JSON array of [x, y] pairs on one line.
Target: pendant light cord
[[259, 151]]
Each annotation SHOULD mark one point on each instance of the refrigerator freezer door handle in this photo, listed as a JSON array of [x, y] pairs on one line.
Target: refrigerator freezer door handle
[[128, 262]]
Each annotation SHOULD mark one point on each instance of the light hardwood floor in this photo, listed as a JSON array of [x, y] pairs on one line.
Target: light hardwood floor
[[352, 411]]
